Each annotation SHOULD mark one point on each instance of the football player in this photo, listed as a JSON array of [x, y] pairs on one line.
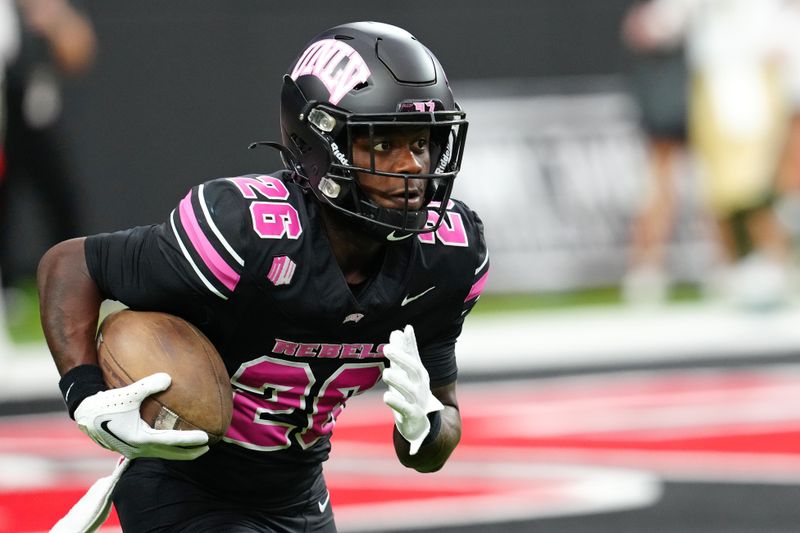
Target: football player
[[314, 282]]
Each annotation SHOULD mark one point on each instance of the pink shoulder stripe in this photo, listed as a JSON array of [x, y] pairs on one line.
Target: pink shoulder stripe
[[477, 288], [215, 263]]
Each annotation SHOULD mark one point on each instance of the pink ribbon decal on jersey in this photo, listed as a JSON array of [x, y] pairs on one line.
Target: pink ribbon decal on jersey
[[477, 288], [215, 263]]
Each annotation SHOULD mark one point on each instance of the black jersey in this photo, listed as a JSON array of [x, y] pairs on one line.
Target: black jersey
[[246, 260]]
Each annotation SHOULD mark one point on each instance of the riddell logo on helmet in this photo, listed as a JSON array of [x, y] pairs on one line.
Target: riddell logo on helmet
[[338, 154], [443, 160], [336, 64]]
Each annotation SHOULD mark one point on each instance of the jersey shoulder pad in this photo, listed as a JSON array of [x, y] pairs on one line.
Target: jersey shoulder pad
[[275, 187], [472, 222], [208, 226], [456, 251], [460, 249], [227, 227], [460, 232], [276, 210]]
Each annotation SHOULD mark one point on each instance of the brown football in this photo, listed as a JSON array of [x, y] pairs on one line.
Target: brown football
[[134, 344]]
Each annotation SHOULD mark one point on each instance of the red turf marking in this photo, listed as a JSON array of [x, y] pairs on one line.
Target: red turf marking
[[687, 394], [39, 510], [349, 495], [755, 443]]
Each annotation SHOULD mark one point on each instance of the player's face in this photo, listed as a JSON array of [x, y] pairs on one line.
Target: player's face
[[397, 150]]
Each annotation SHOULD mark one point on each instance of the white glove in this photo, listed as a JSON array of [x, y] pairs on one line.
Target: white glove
[[409, 394], [111, 418]]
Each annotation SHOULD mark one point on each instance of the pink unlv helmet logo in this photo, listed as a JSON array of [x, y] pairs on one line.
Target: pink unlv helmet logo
[[336, 64]]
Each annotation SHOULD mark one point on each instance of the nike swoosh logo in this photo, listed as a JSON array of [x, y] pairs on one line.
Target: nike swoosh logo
[[66, 396], [323, 504], [393, 237], [104, 425], [408, 299]]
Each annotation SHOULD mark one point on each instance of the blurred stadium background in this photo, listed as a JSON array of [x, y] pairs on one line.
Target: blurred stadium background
[[587, 408]]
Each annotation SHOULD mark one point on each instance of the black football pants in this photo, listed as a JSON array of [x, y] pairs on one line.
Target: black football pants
[[151, 499]]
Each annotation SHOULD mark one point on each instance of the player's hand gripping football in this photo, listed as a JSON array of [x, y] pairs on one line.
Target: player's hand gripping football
[[111, 418], [409, 394]]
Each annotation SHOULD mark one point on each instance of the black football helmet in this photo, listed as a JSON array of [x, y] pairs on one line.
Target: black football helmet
[[360, 77]]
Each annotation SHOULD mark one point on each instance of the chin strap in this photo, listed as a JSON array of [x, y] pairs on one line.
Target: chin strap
[[288, 158]]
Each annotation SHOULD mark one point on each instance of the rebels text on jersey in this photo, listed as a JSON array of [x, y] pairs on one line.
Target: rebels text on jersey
[[246, 260]]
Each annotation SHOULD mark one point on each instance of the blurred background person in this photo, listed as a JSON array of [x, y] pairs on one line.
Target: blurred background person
[[56, 40], [789, 164], [659, 84], [738, 119], [738, 124]]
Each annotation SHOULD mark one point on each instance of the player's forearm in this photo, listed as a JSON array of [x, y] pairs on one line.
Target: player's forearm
[[69, 305], [434, 454]]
